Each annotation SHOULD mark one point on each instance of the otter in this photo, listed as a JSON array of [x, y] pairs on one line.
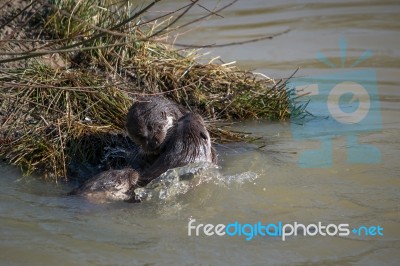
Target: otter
[[110, 185], [147, 123], [186, 142]]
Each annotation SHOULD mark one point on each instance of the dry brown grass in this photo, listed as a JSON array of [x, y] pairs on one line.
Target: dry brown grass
[[97, 57]]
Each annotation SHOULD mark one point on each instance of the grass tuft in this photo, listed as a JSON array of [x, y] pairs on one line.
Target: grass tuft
[[74, 80]]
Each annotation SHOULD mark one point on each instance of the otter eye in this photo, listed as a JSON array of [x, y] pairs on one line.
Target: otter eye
[[140, 137], [150, 127], [157, 128], [204, 136]]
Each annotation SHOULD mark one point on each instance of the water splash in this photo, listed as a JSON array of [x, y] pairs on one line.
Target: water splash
[[176, 181], [179, 181]]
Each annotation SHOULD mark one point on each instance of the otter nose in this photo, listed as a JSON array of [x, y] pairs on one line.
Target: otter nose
[[153, 144]]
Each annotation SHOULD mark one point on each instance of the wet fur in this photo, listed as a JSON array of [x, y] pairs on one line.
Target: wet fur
[[187, 142], [148, 121], [110, 185]]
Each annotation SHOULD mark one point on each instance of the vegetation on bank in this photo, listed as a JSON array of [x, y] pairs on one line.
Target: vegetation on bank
[[65, 93]]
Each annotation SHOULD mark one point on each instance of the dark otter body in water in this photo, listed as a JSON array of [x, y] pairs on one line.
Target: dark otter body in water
[[147, 123], [110, 185], [187, 142]]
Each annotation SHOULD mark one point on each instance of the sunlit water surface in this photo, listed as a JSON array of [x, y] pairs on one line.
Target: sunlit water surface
[[39, 225]]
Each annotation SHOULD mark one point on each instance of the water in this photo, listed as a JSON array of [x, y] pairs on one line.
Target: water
[[40, 226]]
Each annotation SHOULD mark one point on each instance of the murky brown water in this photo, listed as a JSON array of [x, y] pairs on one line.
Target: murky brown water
[[40, 226]]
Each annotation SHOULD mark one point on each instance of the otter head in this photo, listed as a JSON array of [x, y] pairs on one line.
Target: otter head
[[196, 142], [147, 123], [192, 126], [110, 185], [188, 141]]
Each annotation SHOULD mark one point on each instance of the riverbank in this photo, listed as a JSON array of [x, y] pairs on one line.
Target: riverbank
[[71, 69]]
